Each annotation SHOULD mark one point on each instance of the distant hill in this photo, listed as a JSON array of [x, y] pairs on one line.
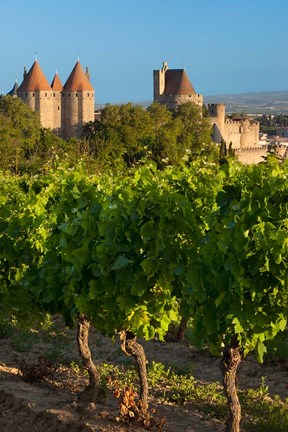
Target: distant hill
[[253, 103], [274, 102]]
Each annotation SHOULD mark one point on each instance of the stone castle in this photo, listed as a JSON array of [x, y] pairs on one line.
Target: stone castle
[[242, 132], [66, 108], [63, 109], [172, 87]]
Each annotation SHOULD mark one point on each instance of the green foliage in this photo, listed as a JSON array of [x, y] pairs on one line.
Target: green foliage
[[277, 349], [23, 341], [19, 132], [125, 136], [119, 137], [25, 146], [130, 134], [132, 252], [195, 130], [269, 123], [263, 413], [18, 121], [239, 278], [6, 328], [14, 249], [260, 412], [108, 241]]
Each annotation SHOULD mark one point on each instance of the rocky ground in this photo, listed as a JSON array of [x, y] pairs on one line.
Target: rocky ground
[[53, 405]]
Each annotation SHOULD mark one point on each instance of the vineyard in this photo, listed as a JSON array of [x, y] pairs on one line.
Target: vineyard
[[133, 257]]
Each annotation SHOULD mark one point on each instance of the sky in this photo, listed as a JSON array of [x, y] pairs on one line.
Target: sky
[[225, 46]]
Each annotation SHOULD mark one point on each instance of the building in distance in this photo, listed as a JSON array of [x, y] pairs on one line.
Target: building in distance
[[172, 87], [62, 108]]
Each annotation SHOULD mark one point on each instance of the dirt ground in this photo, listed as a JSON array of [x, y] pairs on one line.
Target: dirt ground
[[53, 405]]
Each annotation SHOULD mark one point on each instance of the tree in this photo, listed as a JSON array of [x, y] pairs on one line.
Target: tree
[[19, 132], [136, 134], [21, 248], [25, 146], [195, 132], [160, 115], [56, 198], [120, 135], [237, 284], [116, 258], [129, 254]]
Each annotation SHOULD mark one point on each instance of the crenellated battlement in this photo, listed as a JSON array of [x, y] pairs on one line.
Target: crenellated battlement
[[240, 131], [216, 109], [254, 155]]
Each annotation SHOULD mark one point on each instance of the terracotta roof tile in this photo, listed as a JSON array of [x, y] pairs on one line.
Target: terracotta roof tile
[[56, 83], [34, 80], [177, 82], [78, 80]]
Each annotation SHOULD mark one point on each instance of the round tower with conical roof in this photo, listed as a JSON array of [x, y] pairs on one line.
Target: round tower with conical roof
[[36, 92], [13, 91], [57, 88], [77, 102]]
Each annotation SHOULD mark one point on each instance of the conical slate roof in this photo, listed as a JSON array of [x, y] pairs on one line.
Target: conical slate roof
[[34, 80], [177, 83], [13, 91], [78, 80], [56, 83]]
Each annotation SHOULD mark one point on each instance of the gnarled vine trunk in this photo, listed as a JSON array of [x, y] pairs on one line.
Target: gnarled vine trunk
[[91, 393], [229, 365], [133, 348], [181, 330]]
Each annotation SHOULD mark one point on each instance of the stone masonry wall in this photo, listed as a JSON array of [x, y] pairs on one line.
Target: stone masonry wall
[[44, 104], [242, 132], [254, 155], [173, 101], [70, 114], [57, 112], [86, 109], [78, 109]]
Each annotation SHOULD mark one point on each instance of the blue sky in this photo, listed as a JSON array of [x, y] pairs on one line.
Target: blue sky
[[225, 46]]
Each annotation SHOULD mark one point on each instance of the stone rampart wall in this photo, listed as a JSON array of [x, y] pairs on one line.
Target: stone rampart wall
[[254, 155]]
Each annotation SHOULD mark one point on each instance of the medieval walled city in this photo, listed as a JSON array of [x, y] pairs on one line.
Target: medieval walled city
[[65, 109]]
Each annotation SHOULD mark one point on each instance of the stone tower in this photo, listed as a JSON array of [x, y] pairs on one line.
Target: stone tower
[[64, 110], [217, 115], [172, 87], [36, 92], [241, 131], [77, 102], [57, 89]]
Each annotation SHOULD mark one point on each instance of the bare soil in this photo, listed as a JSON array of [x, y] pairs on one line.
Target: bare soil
[[53, 405]]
